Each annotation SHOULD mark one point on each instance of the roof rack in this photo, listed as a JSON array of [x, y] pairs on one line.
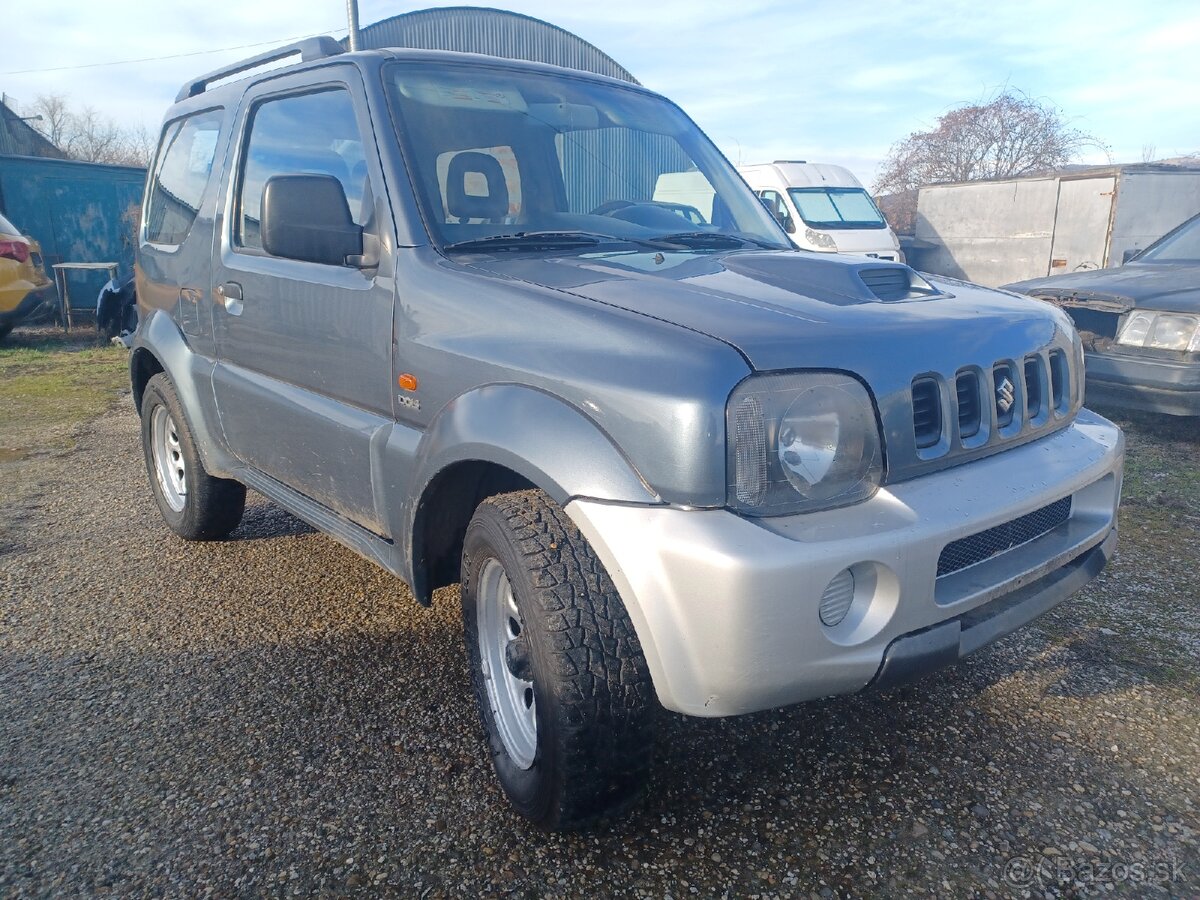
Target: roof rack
[[309, 50]]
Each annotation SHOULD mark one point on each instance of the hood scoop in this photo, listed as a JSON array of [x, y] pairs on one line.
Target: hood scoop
[[893, 283], [842, 280]]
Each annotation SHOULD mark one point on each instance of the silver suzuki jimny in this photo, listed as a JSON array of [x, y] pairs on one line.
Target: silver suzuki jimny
[[524, 329]]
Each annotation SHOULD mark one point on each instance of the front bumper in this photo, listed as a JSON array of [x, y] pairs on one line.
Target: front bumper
[[1156, 385], [726, 608]]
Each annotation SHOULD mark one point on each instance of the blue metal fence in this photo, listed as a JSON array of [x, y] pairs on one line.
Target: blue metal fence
[[78, 212]]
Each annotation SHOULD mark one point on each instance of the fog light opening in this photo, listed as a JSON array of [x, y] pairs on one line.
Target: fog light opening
[[837, 599], [858, 602]]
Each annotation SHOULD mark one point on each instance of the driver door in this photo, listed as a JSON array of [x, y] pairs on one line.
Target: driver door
[[303, 377]]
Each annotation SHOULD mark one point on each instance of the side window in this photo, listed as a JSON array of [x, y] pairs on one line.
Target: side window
[[304, 134], [184, 165], [774, 201], [481, 185]]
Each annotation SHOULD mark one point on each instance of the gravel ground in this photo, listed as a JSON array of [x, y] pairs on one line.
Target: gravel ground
[[273, 715]]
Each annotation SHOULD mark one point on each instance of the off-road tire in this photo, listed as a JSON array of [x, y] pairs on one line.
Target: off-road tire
[[595, 703], [213, 507]]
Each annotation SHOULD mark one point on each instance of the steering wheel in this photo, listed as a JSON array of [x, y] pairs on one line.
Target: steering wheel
[[646, 213], [608, 207]]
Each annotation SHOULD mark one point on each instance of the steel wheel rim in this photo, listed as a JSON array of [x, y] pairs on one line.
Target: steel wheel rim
[[169, 465], [514, 708]]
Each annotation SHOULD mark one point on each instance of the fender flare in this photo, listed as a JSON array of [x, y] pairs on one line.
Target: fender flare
[[540, 437], [191, 374]]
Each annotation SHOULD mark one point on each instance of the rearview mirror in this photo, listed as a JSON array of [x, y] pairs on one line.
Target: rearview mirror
[[307, 217]]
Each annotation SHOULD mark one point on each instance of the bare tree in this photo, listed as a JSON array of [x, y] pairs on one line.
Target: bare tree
[[140, 144], [94, 138], [1009, 135], [55, 123], [87, 135]]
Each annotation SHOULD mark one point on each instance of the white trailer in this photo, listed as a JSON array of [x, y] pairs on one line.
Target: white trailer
[[999, 232]]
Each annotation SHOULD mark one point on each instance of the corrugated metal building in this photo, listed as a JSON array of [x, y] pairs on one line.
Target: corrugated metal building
[[467, 29], [19, 138], [496, 32], [999, 232]]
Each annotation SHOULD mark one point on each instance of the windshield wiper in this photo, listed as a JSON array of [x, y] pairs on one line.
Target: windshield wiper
[[532, 240], [565, 240], [708, 240]]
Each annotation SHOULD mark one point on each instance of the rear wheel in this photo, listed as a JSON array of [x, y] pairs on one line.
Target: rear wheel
[[194, 504], [559, 676]]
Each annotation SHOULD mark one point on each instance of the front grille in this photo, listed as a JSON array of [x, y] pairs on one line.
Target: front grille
[[927, 412], [1058, 379], [1004, 385], [1033, 387], [968, 551], [969, 412], [973, 411]]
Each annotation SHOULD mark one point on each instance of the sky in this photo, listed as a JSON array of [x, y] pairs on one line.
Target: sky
[[825, 81]]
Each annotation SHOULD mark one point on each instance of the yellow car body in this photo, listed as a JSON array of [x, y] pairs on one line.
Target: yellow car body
[[23, 281]]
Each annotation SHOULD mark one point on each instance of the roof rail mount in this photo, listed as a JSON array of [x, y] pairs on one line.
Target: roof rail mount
[[309, 49], [798, 162]]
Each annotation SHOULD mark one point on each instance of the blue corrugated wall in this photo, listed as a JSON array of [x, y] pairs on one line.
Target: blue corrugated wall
[[78, 212]]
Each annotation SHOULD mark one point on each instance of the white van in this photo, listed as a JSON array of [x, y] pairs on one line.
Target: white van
[[823, 208]]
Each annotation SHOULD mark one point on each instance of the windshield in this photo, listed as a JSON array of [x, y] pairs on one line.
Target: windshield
[[832, 208], [1181, 245], [557, 161]]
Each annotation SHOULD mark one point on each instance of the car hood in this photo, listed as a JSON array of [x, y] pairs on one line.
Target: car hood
[[794, 309], [1168, 286]]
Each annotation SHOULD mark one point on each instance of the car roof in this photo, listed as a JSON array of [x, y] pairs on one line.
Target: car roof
[[196, 94]]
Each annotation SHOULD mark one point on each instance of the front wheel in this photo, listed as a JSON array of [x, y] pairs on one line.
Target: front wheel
[[559, 676]]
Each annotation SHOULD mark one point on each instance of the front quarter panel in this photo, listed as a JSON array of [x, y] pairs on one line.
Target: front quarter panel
[[536, 435], [527, 431]]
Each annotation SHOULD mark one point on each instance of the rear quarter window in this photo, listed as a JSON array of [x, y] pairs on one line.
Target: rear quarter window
[[185, 163]]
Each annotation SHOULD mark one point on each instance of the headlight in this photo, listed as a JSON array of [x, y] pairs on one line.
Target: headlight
[[1162, 331], [801, 442], [819, 239]]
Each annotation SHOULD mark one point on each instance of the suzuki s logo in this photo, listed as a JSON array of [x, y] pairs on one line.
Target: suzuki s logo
[[1005, 395]]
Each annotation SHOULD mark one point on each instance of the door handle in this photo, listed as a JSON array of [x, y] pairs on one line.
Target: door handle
[[230, 293]]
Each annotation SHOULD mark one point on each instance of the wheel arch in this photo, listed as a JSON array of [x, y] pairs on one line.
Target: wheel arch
[[143, 365], [160, 347], [497, 439]]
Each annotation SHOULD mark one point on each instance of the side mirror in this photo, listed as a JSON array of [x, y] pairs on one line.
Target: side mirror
[[788, 223], [1130, 254], [307, 217]]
